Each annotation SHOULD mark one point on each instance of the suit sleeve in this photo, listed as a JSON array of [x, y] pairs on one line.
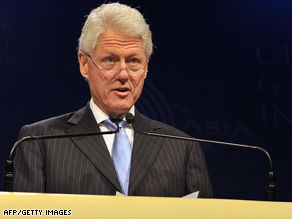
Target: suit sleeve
[[29, 174], [197, 177]]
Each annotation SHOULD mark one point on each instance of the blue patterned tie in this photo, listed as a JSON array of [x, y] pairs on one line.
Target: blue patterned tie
[[121, 154]]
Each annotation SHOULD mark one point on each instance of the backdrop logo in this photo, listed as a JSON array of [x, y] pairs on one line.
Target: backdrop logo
[[271, 54], [153, 104], [6, 38], [272, 85]]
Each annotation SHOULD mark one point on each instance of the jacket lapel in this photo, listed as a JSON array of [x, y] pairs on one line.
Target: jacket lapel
[[92, 146], [145, 150]]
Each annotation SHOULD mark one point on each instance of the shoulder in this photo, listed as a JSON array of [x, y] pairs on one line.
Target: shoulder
[[145, 124], [157, 126], [53, 120], [52, 125]]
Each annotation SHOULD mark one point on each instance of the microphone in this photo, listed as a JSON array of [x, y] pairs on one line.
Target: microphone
[[270, 188], [9, 167]]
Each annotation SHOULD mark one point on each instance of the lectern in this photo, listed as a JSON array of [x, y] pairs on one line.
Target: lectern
[[95, 206]]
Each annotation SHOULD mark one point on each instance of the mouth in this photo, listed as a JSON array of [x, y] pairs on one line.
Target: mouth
[[122, 91]]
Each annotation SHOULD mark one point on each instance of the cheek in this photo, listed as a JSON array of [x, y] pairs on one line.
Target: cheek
[[97, 79], [138, 84]]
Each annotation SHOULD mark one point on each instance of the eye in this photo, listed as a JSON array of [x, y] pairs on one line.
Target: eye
[[134, 61], [109, 60]]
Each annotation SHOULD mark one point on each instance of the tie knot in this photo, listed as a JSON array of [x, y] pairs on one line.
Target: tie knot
[[112, 126], [123, 124]]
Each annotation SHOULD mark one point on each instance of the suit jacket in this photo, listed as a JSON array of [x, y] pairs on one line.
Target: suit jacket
[[82, 165]]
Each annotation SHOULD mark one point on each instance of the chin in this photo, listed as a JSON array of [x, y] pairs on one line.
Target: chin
[[121, 110], [121, 106]]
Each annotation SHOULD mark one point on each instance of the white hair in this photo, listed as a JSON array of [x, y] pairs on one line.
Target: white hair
[[118, 17]]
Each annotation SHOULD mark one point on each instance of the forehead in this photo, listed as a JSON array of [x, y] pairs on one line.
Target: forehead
[[110, 40]]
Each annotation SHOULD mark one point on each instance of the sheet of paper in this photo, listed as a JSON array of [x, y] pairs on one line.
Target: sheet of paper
[[192, 195], [119, 194]]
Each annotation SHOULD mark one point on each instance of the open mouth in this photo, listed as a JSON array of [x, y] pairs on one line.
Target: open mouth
[[122, 89]]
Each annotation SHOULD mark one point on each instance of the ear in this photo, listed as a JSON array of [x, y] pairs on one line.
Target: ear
[[83, 64], [146, 69]]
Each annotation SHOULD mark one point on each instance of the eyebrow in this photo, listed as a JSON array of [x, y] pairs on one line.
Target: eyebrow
[[107, 52]]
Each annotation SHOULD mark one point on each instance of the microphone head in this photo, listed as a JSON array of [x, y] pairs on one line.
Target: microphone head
[[130, 118], [113, 116]]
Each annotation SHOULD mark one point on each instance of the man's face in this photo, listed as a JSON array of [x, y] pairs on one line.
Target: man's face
[[114, 91]]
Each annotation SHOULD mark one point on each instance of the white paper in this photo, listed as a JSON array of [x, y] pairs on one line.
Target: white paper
[[192, 195], [119, 194]]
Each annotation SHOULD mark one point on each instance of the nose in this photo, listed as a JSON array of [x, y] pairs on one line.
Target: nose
[[123, 74], [124, 68]]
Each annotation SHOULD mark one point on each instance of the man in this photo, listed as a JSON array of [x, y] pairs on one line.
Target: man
[[114, 51]]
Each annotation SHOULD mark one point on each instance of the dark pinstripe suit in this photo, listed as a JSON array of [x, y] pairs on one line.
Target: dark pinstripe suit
[[82, 165]]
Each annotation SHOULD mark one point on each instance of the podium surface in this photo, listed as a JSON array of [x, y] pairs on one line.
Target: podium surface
[[95, 206]]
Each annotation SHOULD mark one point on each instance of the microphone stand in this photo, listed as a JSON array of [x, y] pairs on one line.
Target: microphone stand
[[9, 167], [270, 187]]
